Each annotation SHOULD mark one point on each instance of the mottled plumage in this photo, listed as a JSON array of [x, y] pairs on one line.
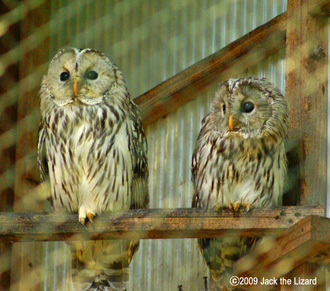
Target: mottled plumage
[[239, 158], [92, 150]]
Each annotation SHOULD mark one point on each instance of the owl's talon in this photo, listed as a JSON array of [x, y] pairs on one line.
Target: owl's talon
[[248, 207], [90, 216], [82, 221], [237, 206], [234, 207]]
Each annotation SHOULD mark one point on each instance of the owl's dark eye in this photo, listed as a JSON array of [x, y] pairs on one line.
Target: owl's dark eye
[[91, 75], [64, 76], [247, 107], [224, 108]]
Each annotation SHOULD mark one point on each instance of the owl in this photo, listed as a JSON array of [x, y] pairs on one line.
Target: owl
[[92, 152], [239, 161]]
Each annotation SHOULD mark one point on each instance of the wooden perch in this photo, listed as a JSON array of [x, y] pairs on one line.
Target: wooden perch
[[233, 59], [151, 224], [306, 241]]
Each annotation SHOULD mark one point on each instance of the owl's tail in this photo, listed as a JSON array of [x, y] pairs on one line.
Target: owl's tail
[[101, 265], [220, 254]]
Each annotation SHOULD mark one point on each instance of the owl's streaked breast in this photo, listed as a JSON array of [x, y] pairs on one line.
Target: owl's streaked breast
[[90, 159], [239, 170]]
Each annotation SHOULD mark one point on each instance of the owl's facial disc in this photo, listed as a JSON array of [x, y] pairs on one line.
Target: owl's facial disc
[[95, 77], [76, 76], [246, 108], [244, 116]]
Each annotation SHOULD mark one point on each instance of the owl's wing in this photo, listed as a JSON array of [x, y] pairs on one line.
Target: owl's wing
[[195, 163], [194, 170], [138, 150], [196, 153], [42, 160]]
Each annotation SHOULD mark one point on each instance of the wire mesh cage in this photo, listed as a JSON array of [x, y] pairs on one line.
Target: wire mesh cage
[[150, 41]]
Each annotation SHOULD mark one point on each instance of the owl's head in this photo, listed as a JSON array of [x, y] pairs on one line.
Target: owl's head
[[250, 107], [84, 76]]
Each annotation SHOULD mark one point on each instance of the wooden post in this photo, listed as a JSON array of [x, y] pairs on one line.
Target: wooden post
[[307, 91]]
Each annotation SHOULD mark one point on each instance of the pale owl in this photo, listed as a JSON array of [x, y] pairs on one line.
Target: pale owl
[[239, 160], [96, 157]]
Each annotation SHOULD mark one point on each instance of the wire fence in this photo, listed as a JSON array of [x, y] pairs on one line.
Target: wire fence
[[149, 41]]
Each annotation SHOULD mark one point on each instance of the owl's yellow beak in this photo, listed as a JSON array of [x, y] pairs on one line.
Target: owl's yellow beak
[[231, 123], [75, 87]]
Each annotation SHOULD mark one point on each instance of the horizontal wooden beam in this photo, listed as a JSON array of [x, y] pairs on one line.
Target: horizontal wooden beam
[[151, 224], [306, 241], [246, 51]]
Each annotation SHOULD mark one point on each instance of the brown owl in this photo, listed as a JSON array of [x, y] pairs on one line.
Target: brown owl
[[239, 160], [96, 157]]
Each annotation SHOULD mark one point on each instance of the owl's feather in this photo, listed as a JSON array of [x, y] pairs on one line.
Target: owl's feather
[[96, 157], [244, 163]]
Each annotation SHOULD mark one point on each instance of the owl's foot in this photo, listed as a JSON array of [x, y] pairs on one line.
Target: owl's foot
[[248, 207], [90, 216], [238, 205], [234, 207], [84, 214], [82, 220]]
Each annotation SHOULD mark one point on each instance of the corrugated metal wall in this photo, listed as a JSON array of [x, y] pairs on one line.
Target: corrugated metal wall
[[150, 41]]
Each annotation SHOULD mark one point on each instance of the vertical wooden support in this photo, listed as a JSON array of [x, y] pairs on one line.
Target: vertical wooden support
[[26, 273], [307, 92]]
